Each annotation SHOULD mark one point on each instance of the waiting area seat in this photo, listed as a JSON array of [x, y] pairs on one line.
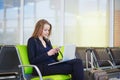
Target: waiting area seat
[[27, 68], [15, 65], [102, 58], [105, 62], [9, 62], [115, 54], [84, 54]]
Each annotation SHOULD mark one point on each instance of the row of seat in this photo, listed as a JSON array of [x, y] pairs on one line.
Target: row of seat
[[106, 58]]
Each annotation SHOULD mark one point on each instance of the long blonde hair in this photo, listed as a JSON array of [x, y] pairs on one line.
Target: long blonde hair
[[39, 28]]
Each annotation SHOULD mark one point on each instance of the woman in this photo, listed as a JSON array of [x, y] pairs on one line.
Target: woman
[[41, 53]]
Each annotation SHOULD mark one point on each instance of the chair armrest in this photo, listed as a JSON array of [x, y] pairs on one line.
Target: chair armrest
[[91, 62], [8, 73], [111, 63], [36, 68]]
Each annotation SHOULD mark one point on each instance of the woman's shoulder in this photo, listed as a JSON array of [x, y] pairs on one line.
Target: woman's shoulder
[[31, 39]]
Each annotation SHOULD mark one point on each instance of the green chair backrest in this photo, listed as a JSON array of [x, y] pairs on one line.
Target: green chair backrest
[[23, 54], [62, 50]]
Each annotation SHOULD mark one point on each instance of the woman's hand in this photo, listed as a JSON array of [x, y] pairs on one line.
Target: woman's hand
[[53, 51]]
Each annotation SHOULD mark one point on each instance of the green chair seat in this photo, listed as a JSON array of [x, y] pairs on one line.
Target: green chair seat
[[53, 77]]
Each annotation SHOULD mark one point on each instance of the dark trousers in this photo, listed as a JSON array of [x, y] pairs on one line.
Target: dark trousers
[[73, 67]]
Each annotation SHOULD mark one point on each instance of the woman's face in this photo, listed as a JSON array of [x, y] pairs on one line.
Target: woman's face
[[46, 30]]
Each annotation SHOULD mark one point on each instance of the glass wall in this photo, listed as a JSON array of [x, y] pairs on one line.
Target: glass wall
[[80, 22], [9, 21], [88, 22], [43, 9]]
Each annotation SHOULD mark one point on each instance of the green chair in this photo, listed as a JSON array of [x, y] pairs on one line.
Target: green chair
[[28, 68]]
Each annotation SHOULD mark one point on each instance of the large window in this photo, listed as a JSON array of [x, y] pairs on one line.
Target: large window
[[87, 21], [80, 22], [43, 9], [9, 21]]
